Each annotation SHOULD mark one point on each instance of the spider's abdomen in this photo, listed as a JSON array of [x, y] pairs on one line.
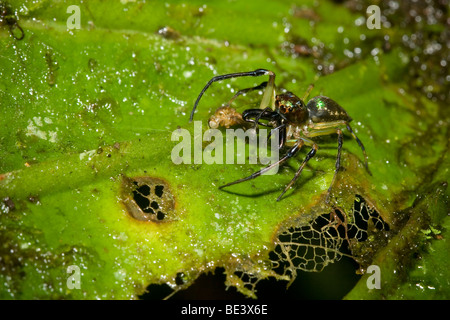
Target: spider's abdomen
[[324, 109]]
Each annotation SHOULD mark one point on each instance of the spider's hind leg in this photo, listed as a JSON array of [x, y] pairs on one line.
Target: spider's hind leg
[[334, 127], [327, 131], [338, 162], [366, 163]]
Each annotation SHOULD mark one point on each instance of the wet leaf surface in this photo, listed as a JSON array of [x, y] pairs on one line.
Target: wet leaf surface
[[87, 178]]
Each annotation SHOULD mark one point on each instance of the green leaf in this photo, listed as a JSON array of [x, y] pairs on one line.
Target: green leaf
[[86, 123]]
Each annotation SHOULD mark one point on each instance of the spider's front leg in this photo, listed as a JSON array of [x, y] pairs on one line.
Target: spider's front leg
[[273, 118], [226, 116], [269, 92]]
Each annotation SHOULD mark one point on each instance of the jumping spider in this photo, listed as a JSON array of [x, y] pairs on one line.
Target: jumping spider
[[295, 121]]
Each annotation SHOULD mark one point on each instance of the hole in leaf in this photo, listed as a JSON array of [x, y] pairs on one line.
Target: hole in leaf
[[160, 215], [140, 200], [156, 292], [180, 279], [155, 205], [148, 199], [159, 191], [144, 190], [148, 210]]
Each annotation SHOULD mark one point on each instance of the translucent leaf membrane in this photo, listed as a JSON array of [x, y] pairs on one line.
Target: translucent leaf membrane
[[313, 246]]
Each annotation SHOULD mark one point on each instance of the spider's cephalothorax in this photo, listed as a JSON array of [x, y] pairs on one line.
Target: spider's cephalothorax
[[296, 121], [291, 107]]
